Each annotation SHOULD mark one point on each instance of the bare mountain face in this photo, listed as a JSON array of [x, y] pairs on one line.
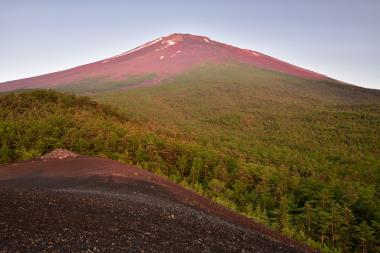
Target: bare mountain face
[[160, 58]]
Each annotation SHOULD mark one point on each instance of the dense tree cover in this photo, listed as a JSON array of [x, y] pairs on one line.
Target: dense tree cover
[[303, 155], [311, 172]]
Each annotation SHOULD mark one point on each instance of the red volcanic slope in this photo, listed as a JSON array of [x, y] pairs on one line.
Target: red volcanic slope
[[165, 56]]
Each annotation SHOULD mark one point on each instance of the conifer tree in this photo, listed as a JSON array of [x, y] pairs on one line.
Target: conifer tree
[[365, 235]]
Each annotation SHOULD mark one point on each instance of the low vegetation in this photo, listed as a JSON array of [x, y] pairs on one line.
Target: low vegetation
[[299, 156], [98, 85]]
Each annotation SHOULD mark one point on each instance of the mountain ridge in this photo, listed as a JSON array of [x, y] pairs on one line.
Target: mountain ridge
[[164, 57]]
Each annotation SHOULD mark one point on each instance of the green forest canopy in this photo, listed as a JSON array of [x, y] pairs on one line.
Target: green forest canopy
[[306, 168]]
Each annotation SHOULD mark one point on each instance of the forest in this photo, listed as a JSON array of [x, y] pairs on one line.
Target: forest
[[324, 193]]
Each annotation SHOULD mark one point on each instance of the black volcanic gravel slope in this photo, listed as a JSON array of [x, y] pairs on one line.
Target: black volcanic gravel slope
[[106, 214]]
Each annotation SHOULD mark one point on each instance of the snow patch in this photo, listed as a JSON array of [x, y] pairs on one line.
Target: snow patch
[[170, 42], [255, 54], [137, 48], [206, 40], [162, 57], [175, 53]]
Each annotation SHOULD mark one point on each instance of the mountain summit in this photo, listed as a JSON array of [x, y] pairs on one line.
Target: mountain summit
[[161, 58]]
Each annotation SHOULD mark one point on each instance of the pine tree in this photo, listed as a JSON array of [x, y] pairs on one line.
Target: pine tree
[[284, 218], [345, 228], [195, 170], [365, 234], [182, 164], [323, 224], [5, 154], [309, 216], [221, 172]]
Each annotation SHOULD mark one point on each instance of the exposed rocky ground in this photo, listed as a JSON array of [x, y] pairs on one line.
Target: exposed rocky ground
[[89, 204], [59, 153]]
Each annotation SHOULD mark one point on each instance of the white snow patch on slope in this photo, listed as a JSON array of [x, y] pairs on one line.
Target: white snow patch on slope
[[162, 57], [255, 54], [175, 53], [137, 48], [206, 40], [170, 42]]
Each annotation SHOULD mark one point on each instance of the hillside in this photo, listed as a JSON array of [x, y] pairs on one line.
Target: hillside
[[100, 205], [263, 117], [298, 189], [289, 148], [304, 152]]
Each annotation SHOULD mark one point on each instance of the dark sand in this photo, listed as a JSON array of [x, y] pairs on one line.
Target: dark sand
[[89, 204]]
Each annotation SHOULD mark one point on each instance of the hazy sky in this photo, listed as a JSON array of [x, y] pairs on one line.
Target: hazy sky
[[340, 39]]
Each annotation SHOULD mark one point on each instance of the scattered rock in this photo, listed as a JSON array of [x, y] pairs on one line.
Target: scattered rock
[[59, 153]]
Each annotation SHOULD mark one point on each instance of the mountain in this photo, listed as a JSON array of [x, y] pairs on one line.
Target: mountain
[[160, 59], [296, 153]]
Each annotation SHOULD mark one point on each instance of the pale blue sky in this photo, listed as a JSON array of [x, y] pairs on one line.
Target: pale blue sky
[[338, 38]]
